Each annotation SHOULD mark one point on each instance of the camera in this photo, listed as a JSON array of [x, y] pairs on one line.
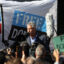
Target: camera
[[32, 49]]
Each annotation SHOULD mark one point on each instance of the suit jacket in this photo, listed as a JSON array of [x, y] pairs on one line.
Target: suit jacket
[[36, 41], [42, 39]]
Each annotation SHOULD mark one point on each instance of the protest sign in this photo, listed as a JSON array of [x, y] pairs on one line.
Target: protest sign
[[59, 43]]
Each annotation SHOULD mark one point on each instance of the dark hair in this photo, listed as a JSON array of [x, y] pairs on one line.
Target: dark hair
[[25, 47], [33, 48]]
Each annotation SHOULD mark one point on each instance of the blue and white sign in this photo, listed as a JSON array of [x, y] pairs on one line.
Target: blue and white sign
[[22, 18]]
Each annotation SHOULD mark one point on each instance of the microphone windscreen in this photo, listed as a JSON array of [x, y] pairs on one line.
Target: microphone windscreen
[[49, 24]]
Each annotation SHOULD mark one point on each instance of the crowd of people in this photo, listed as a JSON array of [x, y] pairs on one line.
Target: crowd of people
[[35, 50]]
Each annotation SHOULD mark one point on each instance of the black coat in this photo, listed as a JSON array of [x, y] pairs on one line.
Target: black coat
[[42, 39]]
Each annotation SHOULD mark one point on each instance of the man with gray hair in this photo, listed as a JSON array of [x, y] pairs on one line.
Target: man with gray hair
[[31, 29], [33, 36], [41, 54]]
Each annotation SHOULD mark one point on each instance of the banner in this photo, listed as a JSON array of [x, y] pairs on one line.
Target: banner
[[18, 14], [20, 20]]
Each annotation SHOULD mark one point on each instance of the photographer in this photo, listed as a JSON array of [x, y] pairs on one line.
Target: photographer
[[32, 49], [24, 51]]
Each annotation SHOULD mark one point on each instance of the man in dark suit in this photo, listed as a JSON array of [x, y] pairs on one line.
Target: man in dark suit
[[34, 36]]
